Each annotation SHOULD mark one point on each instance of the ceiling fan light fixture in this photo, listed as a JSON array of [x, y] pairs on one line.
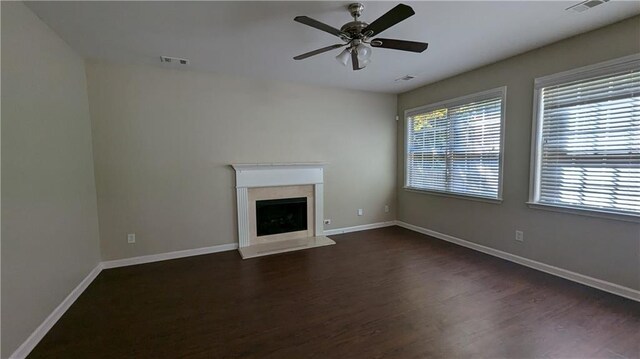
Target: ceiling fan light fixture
[[344, 57], [363, 52]]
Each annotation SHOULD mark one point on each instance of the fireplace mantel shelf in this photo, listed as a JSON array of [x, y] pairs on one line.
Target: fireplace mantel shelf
[[278, 174], [266, 166]]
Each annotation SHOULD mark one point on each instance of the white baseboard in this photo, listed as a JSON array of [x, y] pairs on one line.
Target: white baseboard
[[559, 272], [37, 335], [169, 255], [57, 313], [362, 227]]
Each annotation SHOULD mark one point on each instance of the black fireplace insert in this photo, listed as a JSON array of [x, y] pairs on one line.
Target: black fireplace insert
[[275, 216]]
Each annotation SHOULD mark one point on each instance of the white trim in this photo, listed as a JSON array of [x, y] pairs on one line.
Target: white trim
[[558, 272], [276, 165], [452, 195], [362, 227], [536, 143], [318, 197], [278, 174], [37, 335], [602, 68], [242, 199], [586, 212], [168, 255], [477, 96]]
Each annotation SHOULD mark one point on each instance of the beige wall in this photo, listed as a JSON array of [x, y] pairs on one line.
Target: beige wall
[[601, 248], [164, 139], [49, 215]]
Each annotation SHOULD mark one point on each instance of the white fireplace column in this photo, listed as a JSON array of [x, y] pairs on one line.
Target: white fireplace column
[[276, 175]]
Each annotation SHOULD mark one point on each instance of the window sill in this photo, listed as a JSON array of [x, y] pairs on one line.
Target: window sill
[[586, 212], [452, 195]]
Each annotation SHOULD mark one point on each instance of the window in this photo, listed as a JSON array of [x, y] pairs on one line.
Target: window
[[586, 145], [455, 147]]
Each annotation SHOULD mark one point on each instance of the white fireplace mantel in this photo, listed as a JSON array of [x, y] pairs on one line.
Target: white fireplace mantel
[[278, 174], [273, 175]]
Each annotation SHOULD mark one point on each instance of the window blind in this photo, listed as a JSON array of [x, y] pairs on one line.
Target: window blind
[[589, 155], [456, 147]]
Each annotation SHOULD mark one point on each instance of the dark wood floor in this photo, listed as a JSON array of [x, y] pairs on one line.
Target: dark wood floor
[[385, 293]]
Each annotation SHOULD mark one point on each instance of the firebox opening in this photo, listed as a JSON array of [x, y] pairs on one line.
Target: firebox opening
[[275, 216]]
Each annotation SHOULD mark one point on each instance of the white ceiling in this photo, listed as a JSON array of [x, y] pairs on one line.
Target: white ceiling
[[259, 39]]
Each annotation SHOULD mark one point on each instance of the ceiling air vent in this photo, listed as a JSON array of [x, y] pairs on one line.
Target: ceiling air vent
[[406, 78], [586, 5], [174, 60]]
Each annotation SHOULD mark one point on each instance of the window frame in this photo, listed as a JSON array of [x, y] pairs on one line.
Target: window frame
[[582, 73], [498, 92]]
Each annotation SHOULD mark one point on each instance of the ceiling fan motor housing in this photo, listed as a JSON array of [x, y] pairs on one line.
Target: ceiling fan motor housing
[[354, 28]]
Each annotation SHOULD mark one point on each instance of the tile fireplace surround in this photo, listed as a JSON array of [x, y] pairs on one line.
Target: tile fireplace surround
[[273, 181]]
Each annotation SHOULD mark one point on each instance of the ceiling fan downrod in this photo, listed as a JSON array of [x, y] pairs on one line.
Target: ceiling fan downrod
[[356, 9]]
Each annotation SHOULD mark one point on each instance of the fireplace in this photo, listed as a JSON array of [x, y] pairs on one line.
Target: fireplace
[[280, 208], [280, 212], [275, 216]]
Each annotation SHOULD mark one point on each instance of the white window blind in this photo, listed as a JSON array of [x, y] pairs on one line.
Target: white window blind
[[588, 141], [456, 147]]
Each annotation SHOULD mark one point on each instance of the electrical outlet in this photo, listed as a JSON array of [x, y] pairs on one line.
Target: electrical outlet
[[131, 238], [519, 236], [327, 221], [386, 208], [360, 212]]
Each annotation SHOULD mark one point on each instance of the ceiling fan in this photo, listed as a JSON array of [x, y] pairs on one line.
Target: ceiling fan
[[357, 35]]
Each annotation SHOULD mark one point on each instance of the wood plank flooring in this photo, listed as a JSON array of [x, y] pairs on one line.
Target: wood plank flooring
[[384, 293]]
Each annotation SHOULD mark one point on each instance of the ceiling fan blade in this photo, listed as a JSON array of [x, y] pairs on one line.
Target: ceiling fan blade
[[354, 61], [320, 26], [403, 45], [392, 17], [318, 51]]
